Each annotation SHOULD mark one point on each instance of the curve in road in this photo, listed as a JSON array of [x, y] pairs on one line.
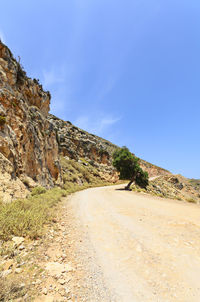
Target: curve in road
[[135, 247]]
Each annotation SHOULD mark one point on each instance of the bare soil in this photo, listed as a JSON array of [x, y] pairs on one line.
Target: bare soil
[[111, 245], [133, 247]]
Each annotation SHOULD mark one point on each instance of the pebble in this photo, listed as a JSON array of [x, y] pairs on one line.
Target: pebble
[[8, 265], [67, 291], [64, 256], [45, 291], [18, 270], [18, 240], [6, 273], [62, 281], [21, 247], [67, 279]]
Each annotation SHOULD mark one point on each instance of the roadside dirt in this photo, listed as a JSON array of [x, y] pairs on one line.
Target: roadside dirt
[[135, 247], [123, 246]]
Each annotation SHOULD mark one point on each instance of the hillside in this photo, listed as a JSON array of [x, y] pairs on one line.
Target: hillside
[[32, 141], [173, 187]]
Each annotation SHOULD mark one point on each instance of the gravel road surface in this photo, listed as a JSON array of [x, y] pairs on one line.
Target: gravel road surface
[[132, 247]]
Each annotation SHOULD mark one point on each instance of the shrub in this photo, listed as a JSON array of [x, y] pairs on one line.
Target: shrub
[[38, 190], [78, 172], [26, 217], [2, 120], [191, 200], [20, 74], [91, 162], [11, 290]]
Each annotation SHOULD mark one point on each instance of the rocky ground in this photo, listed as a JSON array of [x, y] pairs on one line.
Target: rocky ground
[[39, 270], [52, 268], [175, 187]]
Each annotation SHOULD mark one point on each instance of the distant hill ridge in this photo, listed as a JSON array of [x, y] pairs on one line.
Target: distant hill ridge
[[33, 142]]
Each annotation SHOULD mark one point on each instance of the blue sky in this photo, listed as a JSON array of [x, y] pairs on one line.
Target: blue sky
[[128, 71]]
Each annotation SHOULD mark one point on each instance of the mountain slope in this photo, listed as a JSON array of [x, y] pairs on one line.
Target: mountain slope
[[32, 141], [176, 187]]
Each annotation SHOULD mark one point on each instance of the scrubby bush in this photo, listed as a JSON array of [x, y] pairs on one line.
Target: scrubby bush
[[191, 200], [26, 217], [38, 190], [2, 120], [79, 172]]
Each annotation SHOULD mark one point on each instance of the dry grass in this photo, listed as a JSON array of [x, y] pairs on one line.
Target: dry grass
[[11, 290], [7, 249], [26, 217], [31, 217], [38, 190], [79, 173], [192, 200]]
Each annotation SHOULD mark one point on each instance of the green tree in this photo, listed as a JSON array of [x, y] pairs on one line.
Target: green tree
[[128, 167]]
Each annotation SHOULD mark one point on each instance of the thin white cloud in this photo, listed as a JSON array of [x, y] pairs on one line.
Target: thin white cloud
[[107, 87], [96, 125], [53, 76], [107, 122]]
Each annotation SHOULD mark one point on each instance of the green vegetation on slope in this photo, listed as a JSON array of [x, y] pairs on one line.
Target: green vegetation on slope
[[27, 217], [195, 183], [80, 174]]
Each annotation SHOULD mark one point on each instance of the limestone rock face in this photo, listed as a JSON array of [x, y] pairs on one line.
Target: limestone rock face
[[84, 147], [153, 170], [28, 145], [77, 143], [10, 187]]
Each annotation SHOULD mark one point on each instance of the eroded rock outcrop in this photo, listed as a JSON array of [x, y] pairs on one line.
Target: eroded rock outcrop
[[28, 145], [175, 187], [153, 170], [77, 144]]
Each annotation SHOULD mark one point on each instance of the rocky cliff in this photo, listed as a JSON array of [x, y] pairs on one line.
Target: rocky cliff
[[28, 145], [32, 141], [77, 144]]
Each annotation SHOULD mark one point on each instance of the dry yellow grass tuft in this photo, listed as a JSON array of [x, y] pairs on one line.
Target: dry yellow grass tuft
[[192, 200], [26, 217], [10, 290]]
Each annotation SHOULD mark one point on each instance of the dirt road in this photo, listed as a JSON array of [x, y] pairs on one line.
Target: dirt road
[[132, 247]]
